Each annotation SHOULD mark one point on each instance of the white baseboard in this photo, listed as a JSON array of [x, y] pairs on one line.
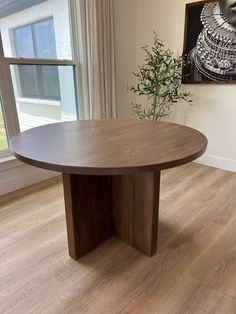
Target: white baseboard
[[218, 162], [13, 179]]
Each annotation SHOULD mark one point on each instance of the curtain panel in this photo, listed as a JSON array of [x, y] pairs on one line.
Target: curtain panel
[[101, 65]]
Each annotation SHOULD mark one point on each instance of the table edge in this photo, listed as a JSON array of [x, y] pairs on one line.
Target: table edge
[[112, 170]]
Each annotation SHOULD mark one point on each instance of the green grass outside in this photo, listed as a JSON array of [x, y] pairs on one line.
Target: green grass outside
[[3, 137]]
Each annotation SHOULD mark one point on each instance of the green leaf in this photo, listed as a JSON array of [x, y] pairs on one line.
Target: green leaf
[[159, 79]]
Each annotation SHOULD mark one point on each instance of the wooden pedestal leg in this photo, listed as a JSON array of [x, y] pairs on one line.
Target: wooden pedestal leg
[[98, 207], [88, 202], [135, 210]]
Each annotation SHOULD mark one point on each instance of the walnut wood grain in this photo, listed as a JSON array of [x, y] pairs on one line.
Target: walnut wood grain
[[88, 203], [135, 210], [108, 147], [111, 174], [98, 207]]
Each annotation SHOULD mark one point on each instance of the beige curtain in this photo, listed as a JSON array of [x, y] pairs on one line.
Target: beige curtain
[[101, 68]]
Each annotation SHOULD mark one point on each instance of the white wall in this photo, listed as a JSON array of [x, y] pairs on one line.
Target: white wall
[[214, 109]]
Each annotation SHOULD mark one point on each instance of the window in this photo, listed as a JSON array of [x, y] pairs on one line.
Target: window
[[39, 57], [37, 40]]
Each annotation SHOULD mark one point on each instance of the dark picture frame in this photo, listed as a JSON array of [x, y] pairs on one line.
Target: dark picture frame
[[193, 28]]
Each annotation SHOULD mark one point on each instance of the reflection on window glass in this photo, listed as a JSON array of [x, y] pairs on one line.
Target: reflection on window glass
[[36, 29], [37, 41], [24, 42], [3, 136], [50, 82], [38, 81], [54, 80], [44, 39]]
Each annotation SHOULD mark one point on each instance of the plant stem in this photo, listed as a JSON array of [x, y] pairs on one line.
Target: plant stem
[[154, 107]]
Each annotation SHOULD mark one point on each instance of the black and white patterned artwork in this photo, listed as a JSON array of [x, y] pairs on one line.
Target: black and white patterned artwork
[[210, 42]]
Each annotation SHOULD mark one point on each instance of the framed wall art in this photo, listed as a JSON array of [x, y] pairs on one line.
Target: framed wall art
[[209, 54]]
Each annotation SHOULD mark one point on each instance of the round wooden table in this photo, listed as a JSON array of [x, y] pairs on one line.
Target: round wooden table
[[111, 174]]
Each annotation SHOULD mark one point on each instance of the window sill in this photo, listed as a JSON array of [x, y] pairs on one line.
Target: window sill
[[15, 175], [9, 162], [38, 101]]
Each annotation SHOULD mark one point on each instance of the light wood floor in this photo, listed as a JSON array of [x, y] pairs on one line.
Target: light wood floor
[[194, 270]]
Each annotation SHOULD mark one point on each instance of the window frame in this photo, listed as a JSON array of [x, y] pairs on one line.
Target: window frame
[[78, 62]]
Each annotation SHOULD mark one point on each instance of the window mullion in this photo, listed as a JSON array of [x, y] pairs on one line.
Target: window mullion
[[40, 80], [29, 61], [33, 41]]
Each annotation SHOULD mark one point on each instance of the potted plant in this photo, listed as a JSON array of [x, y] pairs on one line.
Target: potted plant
[[159, 79]]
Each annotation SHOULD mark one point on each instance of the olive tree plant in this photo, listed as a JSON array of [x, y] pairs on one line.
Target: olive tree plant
[[159, 79]]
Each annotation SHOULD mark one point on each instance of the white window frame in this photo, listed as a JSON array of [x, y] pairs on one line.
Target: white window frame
[[79, 63]]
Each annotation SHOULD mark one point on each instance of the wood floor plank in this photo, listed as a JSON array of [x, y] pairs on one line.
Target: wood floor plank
[[194, 270]]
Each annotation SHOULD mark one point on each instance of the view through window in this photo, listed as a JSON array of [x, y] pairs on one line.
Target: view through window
[[37, 40], [37, 44], [3, 136]]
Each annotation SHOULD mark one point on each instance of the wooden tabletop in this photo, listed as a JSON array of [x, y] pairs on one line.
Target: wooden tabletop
[[108, 147]]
